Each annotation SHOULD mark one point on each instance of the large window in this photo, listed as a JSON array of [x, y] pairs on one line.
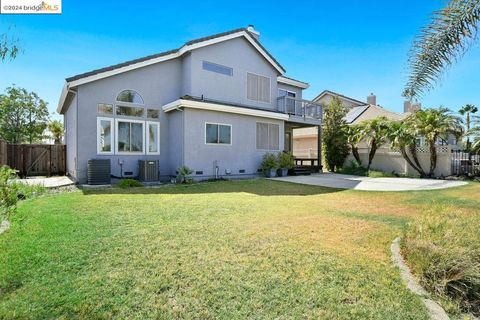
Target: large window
[[216, 133], [258, 88], [153, 137], [130, 136], [268, 136], [104, 135]]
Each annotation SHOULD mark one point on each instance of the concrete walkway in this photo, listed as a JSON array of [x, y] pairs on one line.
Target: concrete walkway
[[48, 182], [343, 181]]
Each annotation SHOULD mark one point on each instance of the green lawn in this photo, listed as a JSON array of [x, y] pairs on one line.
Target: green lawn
[[240, 249]]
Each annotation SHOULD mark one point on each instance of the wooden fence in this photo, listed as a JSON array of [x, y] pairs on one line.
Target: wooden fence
[[3, 153], [34, 159]]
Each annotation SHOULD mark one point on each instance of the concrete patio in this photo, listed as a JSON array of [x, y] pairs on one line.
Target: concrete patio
[[48, 182], [343, 181]]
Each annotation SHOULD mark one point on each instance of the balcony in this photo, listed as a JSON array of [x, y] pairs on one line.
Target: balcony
[[300, 110]]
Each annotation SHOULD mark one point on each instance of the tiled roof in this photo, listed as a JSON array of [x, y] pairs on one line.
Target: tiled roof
[[157, 55], [340, 96]]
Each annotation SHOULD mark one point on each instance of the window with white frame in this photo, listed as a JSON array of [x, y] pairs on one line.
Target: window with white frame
[[153, 137], [258, 88], [130, 136], [268, 136], [120, 135], [216, 133], [104, 135]]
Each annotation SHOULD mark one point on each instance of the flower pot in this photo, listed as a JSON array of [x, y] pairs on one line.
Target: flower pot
[[282, 172], [270, 173]]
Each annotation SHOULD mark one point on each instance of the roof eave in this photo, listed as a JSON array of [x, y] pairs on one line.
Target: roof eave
[[110, 71], [293, 82]]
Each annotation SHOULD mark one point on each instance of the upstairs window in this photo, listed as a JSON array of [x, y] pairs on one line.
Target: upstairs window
[[130, 111], [129, 96], [258, 88], [213, 67]]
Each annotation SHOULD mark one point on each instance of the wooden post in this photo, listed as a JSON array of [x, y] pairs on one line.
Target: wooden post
[[319, 148], [49, 161], [24, 159]]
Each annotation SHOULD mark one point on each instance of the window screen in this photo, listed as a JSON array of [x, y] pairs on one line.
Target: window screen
[[268, 136], [258, 88]]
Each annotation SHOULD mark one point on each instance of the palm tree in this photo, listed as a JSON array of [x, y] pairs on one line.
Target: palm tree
[[374, 132], [466, 111], [476, 138], [56, 129], [402, 137], [441, 43], [433, 124], [354, 137]]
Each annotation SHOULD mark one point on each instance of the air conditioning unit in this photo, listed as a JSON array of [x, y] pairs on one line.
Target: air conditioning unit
[[148, 170], [98, 171]]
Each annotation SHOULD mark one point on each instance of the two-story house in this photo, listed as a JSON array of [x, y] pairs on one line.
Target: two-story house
[[216, 104]]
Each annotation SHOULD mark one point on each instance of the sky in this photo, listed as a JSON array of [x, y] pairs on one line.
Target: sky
[[351, 47]]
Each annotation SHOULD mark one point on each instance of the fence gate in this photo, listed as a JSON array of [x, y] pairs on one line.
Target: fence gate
[[37, 159], [465, 163]]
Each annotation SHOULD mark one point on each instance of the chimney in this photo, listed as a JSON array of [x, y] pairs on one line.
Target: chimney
[[372, 99], [253, 32], [407, 106], [411, 107]]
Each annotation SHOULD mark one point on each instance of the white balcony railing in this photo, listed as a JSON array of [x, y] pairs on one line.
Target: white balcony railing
[[299, 107]]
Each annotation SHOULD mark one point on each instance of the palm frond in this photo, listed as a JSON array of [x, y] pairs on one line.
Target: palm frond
[[441, 43]]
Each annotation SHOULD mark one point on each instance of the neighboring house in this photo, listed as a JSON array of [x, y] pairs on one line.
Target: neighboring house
[[216, 104], [305, 145]]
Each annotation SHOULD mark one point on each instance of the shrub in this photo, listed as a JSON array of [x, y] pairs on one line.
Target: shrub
[[286, 160], [269, 161], [354, 168], [129, 183], [8, 192], [183, 175], [443, 249]]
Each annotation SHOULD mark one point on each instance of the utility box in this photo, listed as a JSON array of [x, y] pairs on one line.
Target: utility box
[[98, 171], [148, 170]]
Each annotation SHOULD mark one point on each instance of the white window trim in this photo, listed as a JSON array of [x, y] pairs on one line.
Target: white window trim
[[116, 137], [147, 144], [279, 135], [246, 87], [112, 133], [218, 144]]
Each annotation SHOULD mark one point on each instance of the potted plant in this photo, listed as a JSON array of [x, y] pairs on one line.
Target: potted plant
[[269, 165], [286, 161]]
